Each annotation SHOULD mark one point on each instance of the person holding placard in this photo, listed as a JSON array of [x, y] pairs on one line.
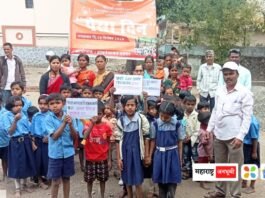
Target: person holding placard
[[96, 142], [61, 130]]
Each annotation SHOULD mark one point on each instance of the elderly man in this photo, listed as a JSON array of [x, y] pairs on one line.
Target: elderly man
[[244, 74], [11, 69], [208, 78], [230, 123]]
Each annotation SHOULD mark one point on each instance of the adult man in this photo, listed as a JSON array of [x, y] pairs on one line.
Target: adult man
[[244, 73], [208, 78], [230, 123], [11, 69]]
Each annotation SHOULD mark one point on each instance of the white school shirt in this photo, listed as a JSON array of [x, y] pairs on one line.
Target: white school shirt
[[232, 112], [11, 65]]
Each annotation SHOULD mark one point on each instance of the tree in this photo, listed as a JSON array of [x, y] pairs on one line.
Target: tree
[[219, 25]]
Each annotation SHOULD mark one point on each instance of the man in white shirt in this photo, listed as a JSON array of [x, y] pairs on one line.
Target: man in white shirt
[[208, 79], [230, 123], [11, 69], [244, 74]]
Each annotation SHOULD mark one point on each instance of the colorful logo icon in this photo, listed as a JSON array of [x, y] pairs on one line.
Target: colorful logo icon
[[262, 171], [249, 172]]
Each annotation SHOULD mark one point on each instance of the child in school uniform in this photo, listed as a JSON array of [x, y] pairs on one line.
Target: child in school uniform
[[151, 112], [251, 151], [66, 92], [17, 89], [96, 142], [166, 143], [190, 143], [4, 141], [61, 133], [205, 146], [132, 145], [40, 134], [21, 163]]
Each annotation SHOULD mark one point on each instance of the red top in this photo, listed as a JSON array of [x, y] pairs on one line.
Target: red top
[[185, 82], [86, 77], [97, 144]]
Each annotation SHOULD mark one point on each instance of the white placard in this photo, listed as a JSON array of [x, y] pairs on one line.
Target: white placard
[[152, 87], [82, 108], [128, 84]]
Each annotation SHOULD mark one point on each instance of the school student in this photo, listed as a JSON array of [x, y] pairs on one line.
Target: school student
[[190, 143], [40, 134], [61, 132], [21, 163], [4, 141], [132, 145], [17, 89], [97, 143], [166, 143]]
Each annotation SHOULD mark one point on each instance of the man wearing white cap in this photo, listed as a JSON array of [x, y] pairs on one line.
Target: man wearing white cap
[[230, 123]]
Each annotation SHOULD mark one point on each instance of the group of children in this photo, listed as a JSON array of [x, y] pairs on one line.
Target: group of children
[[159, 143]]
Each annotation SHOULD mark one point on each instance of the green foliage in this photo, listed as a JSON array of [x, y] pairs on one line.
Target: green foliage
[[218, 24]]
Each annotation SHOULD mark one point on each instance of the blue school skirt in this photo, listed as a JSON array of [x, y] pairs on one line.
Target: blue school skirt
[[41, 156], [132, 173], [166, 164], [21, 163]]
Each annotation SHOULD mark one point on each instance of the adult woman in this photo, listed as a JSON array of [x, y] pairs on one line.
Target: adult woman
[[103, 78], [149, 67], [172, 81], [52, 80], [84, 76]]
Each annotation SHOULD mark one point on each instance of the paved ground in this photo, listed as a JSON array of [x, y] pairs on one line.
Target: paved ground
[[187, 189]]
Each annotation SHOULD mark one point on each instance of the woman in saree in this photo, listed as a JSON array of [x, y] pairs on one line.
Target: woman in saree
[[84, 76], [52, 80], [103, 78]]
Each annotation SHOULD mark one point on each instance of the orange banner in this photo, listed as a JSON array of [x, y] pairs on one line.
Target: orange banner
[[124, 29]]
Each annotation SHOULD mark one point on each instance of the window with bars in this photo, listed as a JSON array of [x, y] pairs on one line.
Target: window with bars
[[29, 3]]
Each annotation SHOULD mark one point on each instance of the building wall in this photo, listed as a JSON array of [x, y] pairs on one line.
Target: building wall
[[50, 18]]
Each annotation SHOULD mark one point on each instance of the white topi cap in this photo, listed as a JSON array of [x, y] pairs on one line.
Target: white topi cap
[[230, 65], [50, 53]]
